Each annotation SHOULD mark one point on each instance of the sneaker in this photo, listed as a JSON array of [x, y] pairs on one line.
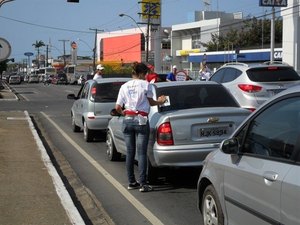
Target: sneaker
[[146, 188], [134, 185]]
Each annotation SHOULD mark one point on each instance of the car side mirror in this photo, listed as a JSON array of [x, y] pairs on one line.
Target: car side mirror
[[114, 112], [230, 146], [71, 96]]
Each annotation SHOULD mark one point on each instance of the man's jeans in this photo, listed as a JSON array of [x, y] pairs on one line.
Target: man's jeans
[[136, 139]]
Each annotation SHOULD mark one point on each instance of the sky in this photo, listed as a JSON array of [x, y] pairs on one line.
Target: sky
[[23, 22]]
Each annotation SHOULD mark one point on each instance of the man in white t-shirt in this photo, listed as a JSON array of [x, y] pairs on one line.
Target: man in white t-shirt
[[99, 72]]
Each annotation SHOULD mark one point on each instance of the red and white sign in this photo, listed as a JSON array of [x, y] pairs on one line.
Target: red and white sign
[[181, 76]]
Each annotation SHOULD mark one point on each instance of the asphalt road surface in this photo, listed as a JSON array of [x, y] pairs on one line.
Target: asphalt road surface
[[174, 199]]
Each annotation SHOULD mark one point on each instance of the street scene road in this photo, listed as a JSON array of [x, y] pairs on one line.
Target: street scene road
[[173, 201]]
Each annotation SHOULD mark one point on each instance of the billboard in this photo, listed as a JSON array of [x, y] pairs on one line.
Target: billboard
[[123, 48], [151, 8], [273, 3]]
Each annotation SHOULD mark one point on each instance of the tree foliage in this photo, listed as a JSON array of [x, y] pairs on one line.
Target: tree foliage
[[254, 33], [38, 45]]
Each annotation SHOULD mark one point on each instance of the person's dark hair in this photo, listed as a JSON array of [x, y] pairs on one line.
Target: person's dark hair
[[140, 68]]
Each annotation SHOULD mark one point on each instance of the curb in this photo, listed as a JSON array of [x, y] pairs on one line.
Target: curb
[[66, 201]]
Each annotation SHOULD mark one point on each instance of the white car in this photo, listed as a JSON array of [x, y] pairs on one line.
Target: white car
[[33, 78], [253, 84], [14, 79]]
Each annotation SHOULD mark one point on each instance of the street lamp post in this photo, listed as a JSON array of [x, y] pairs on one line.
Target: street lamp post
[[64, 45], [145, 36]]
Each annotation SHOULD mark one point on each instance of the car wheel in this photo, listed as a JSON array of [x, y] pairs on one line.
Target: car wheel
[[75, 128], [111, 151], [211, 207], [152, 173], [87, 133]]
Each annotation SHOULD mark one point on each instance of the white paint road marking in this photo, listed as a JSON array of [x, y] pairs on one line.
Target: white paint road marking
[[60, 188], [137, 204]]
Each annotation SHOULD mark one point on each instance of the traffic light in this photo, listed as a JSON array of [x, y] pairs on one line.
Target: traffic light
[[74, 1]]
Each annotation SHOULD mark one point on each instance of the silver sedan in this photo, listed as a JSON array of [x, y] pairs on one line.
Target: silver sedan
[[254, 177], [196, 118]]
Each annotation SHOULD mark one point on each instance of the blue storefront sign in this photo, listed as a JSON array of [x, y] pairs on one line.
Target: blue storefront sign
[[244, 56]]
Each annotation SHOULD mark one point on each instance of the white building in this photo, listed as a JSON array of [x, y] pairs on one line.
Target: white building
[[189, 37], [291, 34]]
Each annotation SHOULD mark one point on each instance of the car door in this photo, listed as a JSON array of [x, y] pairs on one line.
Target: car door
[[79, 104], [254, 181]]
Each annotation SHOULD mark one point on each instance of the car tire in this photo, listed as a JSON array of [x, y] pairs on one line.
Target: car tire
[[111, 151], [88, 134], [211, 207], [152, 173], [75, 128]]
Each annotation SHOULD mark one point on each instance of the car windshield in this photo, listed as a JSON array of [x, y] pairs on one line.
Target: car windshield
[[272, 73], [192, 96], [107, 92]]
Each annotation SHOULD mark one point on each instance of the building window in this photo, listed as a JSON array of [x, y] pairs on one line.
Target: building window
[[196, 41], [166, 45]]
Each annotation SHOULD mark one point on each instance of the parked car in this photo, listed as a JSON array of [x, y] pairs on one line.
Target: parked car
[[60, 78], [254, 177], [94, 101], [33, 78], [252, 84], [14, 79], [197, 117]]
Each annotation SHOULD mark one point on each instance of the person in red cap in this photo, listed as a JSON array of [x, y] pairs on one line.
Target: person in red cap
[[152, 77]]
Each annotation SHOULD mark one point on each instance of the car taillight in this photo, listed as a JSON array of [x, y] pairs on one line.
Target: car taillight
[[93, 92], [164, 134], [249, 88], [251, 109]]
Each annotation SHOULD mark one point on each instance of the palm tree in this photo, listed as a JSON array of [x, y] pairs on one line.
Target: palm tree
[[37, 45]]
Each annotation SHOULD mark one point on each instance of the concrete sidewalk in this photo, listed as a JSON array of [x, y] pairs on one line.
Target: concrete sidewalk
[[31, 191]]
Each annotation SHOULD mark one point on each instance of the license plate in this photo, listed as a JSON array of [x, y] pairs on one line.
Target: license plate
[[211, 132]]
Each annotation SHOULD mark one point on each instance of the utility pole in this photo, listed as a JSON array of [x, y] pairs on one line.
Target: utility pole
[[272, 35], [64, 45], [47, 55], [95, 47]]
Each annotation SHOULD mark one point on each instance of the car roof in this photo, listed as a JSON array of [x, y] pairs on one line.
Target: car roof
[[180, 83], [109, 80], [246, 66]]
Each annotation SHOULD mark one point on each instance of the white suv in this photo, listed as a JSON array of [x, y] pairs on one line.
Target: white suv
[[252, 84]]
